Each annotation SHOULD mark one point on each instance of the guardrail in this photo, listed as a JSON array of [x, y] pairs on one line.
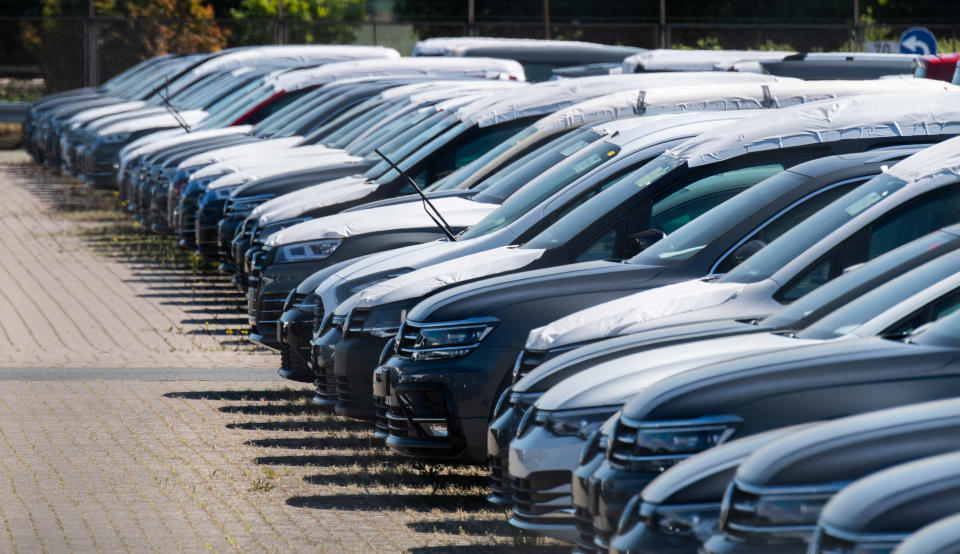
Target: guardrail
[[13, 112]]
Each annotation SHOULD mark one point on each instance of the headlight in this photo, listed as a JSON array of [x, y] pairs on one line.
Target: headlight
[[221, 193], [683, 520], [783, 513], [114, 138], [438, 341], [382, 321], [574, 423], [657, 445], [306, 251], [596, 445]]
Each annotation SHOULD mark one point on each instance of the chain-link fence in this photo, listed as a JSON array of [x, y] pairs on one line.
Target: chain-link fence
[[73, 52]]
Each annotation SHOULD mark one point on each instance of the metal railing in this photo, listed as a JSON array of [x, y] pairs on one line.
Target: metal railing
[[76, 51]]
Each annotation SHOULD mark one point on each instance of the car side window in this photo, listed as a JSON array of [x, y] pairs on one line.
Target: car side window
[[921, 216], [692, 200], [939, 308], [604, 248], [790, 218]]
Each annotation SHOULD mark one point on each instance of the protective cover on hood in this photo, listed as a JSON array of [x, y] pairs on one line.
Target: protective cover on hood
[[856, 117], [423, 281], [609, 319], [177, 136], [240, 150], [101, 111], [550, 96], [457, 46], [459, 212], [243, 173], [615, 381], [940, 162], [164, 119], [329, 193], [483, 68], [664, 59]]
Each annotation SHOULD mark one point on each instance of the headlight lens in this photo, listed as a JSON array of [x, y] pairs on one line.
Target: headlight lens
[[684, 520], [574, 423], [221, 193], [454, 340], [114, 138], [657, 445], [306, 251]]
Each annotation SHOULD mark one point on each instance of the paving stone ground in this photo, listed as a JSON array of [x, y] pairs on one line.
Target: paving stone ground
[[131, 423]]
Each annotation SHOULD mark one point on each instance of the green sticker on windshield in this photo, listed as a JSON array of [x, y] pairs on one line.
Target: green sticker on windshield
[[863, 203], [587, 163], [573, 147]]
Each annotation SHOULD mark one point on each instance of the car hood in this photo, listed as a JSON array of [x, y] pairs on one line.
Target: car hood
[[329, 193], [610, 319], [459, 212], [457, 270], [102, 111], [240, 150], [190, 117], [233, 173], [153, 143], [615, 381]]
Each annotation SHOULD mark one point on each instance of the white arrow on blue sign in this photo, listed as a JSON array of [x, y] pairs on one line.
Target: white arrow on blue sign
[[918, 40]]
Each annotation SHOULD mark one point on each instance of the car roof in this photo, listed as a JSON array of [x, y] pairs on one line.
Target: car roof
[[524, 50], [668, 59], [940, 537], [853, 117], [292, 55]]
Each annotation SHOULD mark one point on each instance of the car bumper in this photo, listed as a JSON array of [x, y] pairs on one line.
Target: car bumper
[[321, 361], [355, 359], [642, 539], [293, 334], [540, 468], [501, 431], [599, 498]]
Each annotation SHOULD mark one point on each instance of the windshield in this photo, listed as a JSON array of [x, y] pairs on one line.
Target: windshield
[[457, 177], [290, 114], [563, 170], [225, 112], [690, 239], [403, 144], [586, 214], [810, 304], [388, 130], [794, 242], [945, 332], [343, 128], [854, 314]]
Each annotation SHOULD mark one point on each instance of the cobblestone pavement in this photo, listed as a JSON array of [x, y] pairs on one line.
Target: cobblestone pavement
[[117, 435]]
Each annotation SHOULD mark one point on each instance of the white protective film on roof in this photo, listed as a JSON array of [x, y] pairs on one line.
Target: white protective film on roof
[[856, 117], [459, 212], [277, 158], [455, 46], [932, 164], [179, 136], [276, 167], [291, 55], [317, 196], [423, 281], [165, 119], [430, 91], [257, 148], [695, 60], [483, 68], [609, 319], [550, 96]]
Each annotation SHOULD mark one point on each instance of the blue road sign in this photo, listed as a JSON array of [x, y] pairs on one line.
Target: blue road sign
[[918, 40]]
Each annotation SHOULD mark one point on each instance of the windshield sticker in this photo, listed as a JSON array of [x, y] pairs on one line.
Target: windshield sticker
[[863, 203], [587, 163]]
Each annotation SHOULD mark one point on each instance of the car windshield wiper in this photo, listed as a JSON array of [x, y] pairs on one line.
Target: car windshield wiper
[[164, 97], [427, 205]]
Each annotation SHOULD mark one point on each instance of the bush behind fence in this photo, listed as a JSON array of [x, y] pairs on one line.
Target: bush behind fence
[[73, 52]]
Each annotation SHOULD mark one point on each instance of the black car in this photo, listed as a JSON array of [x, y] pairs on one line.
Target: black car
[[876, 513], [778, 491], [841, 365], [454, 375]]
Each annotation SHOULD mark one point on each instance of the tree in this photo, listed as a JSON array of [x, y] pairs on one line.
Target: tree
[[323, 21]]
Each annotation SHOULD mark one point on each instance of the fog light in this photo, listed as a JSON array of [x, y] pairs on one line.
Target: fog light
[[436, 429]]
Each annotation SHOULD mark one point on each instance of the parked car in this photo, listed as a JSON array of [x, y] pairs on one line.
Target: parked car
[[939, 537], [680, 507], [500, 312], [778, 491], [841, 65], [940, 67], [818, 373], [881, 510], [668, 59]]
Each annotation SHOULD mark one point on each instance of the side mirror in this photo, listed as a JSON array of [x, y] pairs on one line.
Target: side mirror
[[746, 250], [638, 242]]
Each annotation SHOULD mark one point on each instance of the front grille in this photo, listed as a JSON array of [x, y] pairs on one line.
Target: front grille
[[271, 306], [355, 320], [527, 361], [741, 511], [290, 361], [407, 339], [500, 485], [318, 319], [344, 390], [531, 496], [620, 453], [381, 427], [585, 534]]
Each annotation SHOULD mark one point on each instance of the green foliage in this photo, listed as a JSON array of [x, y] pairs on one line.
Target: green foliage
[[324, 21]]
